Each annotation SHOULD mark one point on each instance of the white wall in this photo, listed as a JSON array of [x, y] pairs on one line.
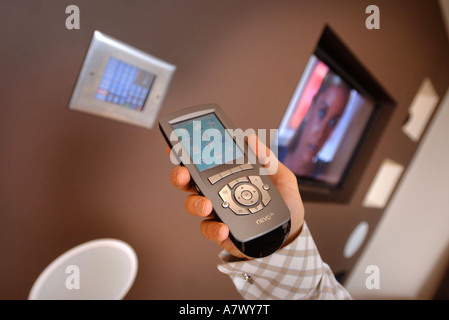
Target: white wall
[[411, 243]]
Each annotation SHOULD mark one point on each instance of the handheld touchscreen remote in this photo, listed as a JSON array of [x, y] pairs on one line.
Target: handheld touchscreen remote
[[224, 169]]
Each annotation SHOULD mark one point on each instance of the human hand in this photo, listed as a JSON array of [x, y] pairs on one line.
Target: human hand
[[218, 232]]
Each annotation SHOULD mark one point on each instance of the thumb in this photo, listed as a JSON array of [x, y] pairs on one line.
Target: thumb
[[265, 155]]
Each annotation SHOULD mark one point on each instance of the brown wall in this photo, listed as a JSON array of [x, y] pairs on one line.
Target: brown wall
[[68, 177]]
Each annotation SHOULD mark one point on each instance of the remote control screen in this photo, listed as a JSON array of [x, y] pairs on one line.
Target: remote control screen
[[124, 84], [207, 141]]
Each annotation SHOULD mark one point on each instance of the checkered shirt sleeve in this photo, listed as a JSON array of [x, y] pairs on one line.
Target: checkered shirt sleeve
[[295, 271]]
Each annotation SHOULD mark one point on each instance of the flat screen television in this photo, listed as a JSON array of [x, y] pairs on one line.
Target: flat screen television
[[325, 124]]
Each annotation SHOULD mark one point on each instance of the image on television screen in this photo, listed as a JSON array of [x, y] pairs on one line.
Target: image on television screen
[[323, 125]]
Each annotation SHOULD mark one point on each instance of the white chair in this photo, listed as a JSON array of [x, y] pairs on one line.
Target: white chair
[[102, 269]]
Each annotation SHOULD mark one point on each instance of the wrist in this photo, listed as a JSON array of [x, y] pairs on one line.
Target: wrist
[[295, 230]]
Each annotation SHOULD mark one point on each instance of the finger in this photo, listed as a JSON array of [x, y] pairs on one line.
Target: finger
[[219, 233], [214, 230], [180, 178], [198, 205]]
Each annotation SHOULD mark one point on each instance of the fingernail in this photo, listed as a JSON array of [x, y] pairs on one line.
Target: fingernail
[[200, 204], [218, 229]]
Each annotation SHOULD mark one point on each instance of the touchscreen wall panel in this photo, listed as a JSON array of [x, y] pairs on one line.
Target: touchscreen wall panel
[[124, 84], [120, 82]]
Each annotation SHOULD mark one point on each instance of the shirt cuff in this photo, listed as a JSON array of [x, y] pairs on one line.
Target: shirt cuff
[[295, 271]]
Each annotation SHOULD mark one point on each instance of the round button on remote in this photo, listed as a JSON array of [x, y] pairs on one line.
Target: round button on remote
[[246, 194]]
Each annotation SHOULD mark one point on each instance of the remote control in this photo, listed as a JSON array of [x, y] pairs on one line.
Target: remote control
[[224, 169]]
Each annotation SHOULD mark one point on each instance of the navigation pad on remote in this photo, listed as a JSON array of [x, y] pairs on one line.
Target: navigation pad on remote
[[245, 195]]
